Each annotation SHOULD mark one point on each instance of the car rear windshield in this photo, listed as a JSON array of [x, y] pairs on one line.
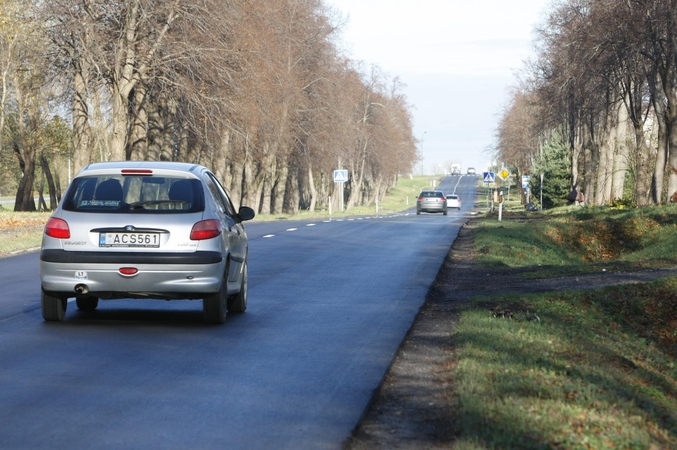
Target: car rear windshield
[[134, 194], [432, 194]]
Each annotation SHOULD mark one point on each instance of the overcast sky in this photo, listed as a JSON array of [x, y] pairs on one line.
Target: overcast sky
[[457, 59]]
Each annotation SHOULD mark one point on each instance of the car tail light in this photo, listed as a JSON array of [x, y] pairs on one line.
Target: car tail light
[[127, 172], [128, 270], [57, 228], [205, 229], [420, 199]]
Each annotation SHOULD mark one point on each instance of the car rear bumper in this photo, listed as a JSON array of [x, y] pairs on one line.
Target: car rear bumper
[[160, 275], [164, 258], [432, 208]]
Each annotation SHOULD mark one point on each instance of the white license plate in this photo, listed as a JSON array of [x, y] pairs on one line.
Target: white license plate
[[129, 240]]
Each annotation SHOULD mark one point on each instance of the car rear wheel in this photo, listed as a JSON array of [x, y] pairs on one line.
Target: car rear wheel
[[238, 303], [214, 306], [53, 308], [444, 212], [87, 303]]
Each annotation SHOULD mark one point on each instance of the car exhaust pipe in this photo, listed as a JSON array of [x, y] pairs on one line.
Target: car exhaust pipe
[[81, 289]]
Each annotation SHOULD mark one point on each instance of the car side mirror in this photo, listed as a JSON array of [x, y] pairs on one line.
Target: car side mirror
[[245, 213]]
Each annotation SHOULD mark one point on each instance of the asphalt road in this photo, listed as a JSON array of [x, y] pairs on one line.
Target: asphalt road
[[329, 304]]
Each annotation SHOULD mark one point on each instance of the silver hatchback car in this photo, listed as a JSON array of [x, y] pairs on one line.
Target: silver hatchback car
[[134, 229], [431, 201]]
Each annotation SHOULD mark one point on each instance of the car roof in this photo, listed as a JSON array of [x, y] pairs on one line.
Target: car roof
[[161, 166]]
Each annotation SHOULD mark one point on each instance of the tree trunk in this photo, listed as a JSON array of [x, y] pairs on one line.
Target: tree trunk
[[174, 138], [131, 68], [621, 157], [356, 180], [376, 192], [324, 190], [25, 200], [258, 181], [42, 205], [269, 172], [266, 194], [589, 167], [53, 201], [82, 133], [311, 187], [138, 133], [657, 96], [671, 130], [249, 186], [292, 194], [604, 168], [218, 160], [237, 175], [156, 132], [280, 186], [24, 152], [101, 141], [120, 126], [643, 168]]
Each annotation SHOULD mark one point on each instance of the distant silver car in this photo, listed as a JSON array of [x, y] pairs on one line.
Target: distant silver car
[[453, 201], [145, 230], [431, 201], [471, 171]]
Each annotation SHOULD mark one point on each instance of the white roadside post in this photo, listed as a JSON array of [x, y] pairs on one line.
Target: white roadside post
[[541, 205], [500, 206]]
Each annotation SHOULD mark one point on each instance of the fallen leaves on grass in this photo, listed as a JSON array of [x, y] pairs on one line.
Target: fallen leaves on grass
[[16, 222]]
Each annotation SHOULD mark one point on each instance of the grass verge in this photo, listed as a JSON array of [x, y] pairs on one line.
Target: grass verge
[[592, 369], [580, 240], [20, 231]]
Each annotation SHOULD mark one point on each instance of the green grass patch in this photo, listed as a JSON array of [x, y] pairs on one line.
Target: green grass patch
[[578, 240], [576, 370]]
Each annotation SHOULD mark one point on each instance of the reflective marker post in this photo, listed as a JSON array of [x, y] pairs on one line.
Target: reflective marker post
[[541, 205], [500, 206]]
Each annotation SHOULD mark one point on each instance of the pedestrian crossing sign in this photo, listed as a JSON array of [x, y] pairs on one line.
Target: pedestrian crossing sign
[[340, 176]]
